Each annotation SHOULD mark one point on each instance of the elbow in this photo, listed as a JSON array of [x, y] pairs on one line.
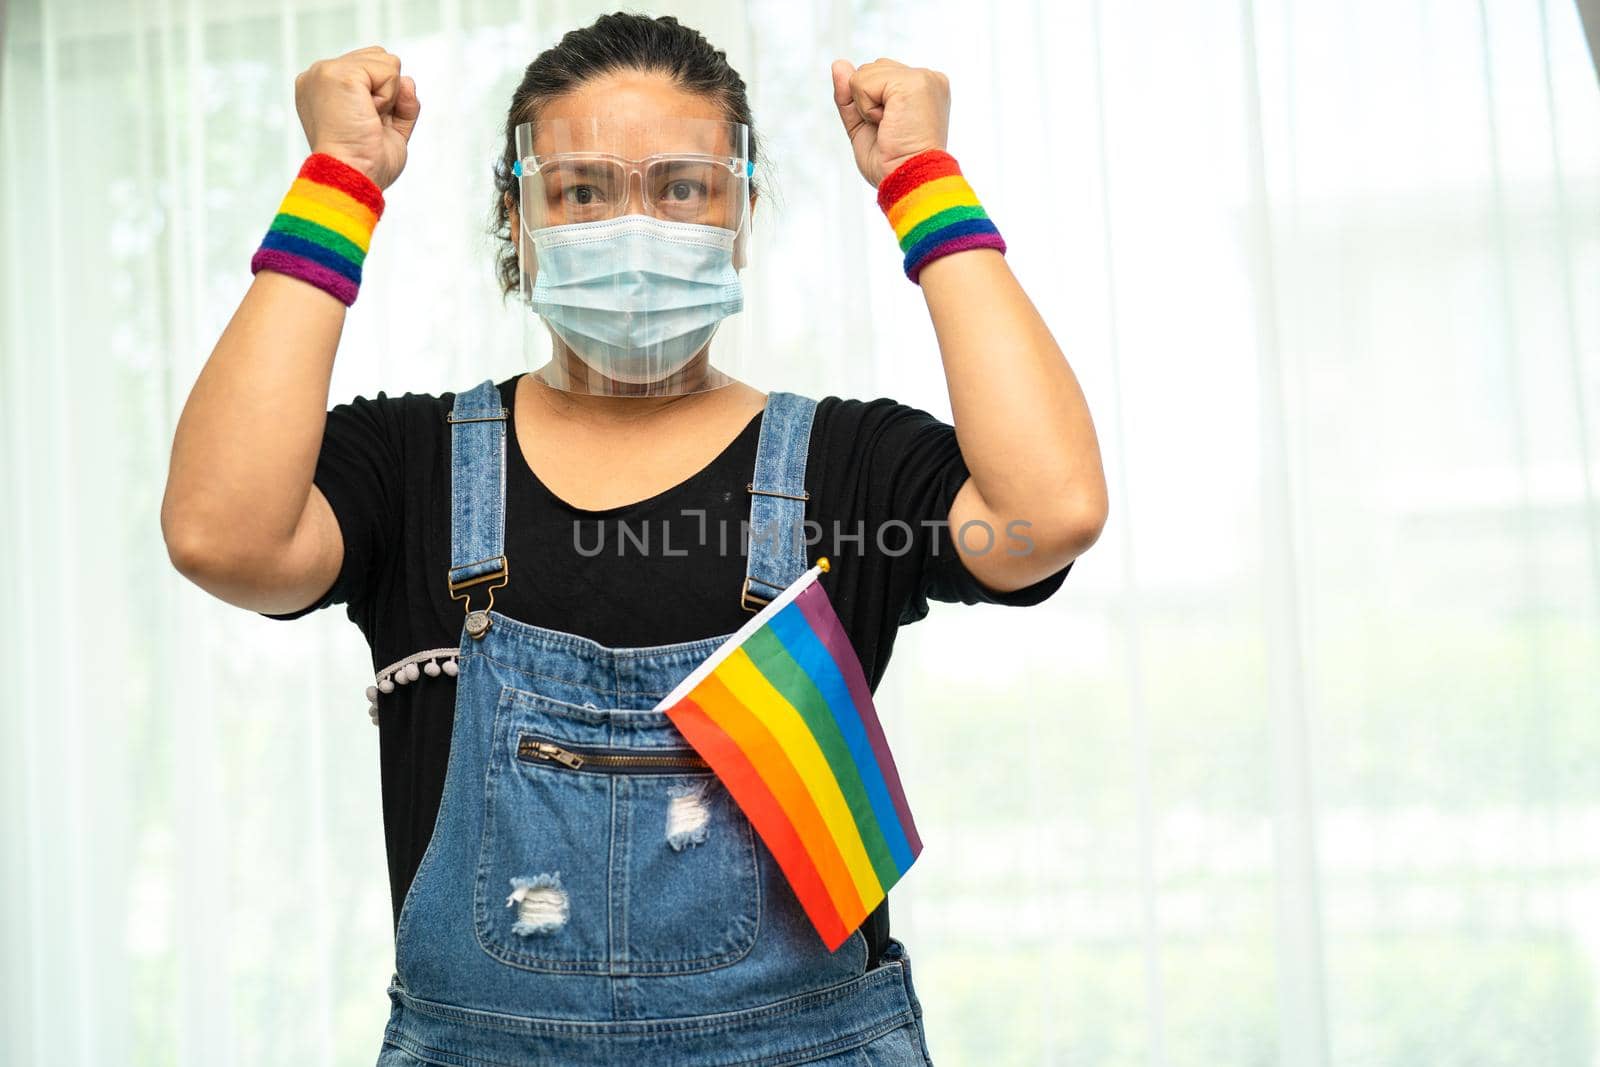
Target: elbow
[[182, 544], [188, 549], [215, 564], [1074, 527], [1090, 521], [191, 545]]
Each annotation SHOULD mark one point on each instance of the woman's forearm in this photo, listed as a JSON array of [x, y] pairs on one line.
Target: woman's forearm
[[1021, 418], [246, 444]]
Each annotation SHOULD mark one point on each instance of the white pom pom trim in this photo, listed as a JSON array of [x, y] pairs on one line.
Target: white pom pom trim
[[431, 662]]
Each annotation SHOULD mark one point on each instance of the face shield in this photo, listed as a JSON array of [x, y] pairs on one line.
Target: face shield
[[630, 238]]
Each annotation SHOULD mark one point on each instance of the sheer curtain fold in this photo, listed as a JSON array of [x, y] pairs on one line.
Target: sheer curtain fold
[[1300, 767]]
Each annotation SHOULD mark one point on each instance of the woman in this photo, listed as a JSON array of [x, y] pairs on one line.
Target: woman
[[547, 913]]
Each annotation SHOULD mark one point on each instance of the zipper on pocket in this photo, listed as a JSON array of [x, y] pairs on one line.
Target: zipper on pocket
[[531, 748]]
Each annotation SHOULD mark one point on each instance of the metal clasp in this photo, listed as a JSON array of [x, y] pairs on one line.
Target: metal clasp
[[478, 621], [746, 597], [750, 487]]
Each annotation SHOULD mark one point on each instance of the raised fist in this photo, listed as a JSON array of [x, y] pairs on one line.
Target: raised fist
[[357, 108], [890, 112]]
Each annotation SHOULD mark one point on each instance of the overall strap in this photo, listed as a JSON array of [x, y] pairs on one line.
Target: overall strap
[[777, 551], [477, 499]]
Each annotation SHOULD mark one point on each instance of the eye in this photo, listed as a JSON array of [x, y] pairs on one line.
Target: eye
[[682, 190], [583, 194]]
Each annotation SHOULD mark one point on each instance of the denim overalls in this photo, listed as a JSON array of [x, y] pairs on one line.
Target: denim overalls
[[592, 895]]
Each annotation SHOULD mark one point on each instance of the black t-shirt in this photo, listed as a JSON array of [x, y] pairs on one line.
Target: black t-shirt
[[879, 469]]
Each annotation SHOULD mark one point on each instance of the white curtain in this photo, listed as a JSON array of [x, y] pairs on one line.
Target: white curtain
[[1300, 767]]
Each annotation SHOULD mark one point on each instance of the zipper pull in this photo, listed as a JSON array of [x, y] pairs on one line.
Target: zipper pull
[[546, 750]]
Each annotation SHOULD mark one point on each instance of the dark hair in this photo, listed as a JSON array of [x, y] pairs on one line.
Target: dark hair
[[619, 41]]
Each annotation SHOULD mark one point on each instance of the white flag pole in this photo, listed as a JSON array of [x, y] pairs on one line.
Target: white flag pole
[[755, 622]]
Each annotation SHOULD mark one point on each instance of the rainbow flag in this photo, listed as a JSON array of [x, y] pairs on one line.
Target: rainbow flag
[[782, 713]]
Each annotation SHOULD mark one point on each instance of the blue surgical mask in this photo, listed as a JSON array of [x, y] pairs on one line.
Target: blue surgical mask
[[635, 296]]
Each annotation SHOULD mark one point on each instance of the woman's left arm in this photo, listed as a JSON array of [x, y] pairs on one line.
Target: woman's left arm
[[1021, 419]]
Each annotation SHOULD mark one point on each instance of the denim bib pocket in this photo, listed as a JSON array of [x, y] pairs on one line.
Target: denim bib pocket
[[604, 859]]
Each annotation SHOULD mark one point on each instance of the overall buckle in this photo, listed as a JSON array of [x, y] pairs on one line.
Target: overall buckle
[[751, 601], [478, 621]]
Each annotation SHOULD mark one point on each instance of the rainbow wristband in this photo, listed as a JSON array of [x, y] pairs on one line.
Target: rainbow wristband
[[323, 227], [934, 211]]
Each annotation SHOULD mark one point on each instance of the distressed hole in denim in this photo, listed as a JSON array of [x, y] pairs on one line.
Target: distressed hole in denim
[[688, 817], [541, 904]]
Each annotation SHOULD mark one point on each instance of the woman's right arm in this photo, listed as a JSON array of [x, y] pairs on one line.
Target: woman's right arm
[[241, 517]]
